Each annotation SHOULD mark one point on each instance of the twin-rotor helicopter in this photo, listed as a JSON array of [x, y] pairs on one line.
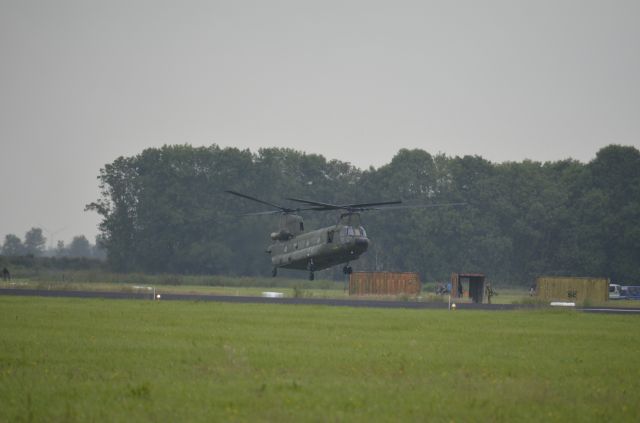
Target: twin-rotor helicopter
[[347, 240]]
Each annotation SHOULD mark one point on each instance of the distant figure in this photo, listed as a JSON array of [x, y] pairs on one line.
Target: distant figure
[[489, 291], [460, 290], [532, 291], [6, 276]]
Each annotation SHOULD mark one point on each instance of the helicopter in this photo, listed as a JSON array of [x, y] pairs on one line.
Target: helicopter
[[346, 241]]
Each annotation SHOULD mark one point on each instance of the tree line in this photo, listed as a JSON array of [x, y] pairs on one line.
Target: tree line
[[165, 211], [34, 245]]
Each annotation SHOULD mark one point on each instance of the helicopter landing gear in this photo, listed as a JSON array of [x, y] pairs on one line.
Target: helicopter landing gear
[[347, 270], [311, 268], [274, 272]]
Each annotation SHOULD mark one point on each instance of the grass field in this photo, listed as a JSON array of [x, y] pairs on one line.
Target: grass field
[[305, 289], [250, 286], [104, 360], [176, 289]]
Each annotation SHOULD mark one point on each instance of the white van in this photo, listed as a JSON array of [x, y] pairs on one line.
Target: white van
[[615, 292]]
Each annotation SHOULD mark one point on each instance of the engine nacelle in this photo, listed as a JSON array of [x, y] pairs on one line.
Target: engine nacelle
[[282, 235]]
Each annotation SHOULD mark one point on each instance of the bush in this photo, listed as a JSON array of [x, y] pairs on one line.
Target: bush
[[298, 292]]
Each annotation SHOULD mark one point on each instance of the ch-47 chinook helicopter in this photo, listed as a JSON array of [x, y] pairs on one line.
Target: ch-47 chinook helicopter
[[293, 248]]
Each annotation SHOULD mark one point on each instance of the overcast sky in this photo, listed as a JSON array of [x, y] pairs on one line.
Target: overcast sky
[[83, 82]]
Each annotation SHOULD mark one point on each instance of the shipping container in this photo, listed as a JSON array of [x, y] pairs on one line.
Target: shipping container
[[384, 283], [572, 289]]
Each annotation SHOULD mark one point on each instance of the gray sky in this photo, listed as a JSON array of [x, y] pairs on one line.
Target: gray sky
[[83, 82]]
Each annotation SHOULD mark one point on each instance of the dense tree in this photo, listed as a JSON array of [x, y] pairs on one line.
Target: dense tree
[[79, 247], [98, 250], [34, 242], [12, 246], [61, 249], [165, 210], [611, 217]]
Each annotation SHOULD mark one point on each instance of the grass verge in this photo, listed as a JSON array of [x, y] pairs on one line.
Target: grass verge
[[100, 360]]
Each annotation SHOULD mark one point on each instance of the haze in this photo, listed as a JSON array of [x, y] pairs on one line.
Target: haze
[[83, 82]]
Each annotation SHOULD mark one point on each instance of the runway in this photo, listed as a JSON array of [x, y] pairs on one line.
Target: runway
[[290, 301]]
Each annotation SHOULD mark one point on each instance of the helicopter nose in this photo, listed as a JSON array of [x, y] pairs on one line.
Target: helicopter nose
[[362, 243]]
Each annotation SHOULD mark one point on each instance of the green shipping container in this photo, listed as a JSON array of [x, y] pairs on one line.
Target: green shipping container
[[572, 289]]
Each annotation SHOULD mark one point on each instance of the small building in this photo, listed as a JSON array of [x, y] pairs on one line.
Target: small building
[[384, 283], [473, 282], [572, 289]]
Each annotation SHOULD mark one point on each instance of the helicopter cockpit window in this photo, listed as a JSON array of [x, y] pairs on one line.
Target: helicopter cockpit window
[[350, 231], [362, 231], [330, 236], [301, 226]]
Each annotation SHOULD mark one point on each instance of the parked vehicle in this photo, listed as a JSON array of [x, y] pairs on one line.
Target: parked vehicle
[[631, 292], [615, 292]]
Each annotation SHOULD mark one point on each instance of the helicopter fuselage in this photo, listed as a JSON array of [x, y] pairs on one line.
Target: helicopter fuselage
[[316, 250], [293, 248], [320, 249]]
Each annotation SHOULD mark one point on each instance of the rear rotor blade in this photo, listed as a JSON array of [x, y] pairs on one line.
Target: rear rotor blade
[[418, 206], [350, 207], [367, 205], [264, 213], [275, 206], [323, 206]]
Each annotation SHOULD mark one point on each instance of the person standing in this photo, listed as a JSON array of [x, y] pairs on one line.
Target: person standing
[[489, 291], [6, 276]]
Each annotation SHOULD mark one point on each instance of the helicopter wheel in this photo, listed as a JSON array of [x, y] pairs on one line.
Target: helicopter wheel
[[274, 272], [311, 269]]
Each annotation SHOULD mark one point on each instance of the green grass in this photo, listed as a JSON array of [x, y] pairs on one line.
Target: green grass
[[104, 360], [243, 287], [98, 276], [303, 290], [175, 289]]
